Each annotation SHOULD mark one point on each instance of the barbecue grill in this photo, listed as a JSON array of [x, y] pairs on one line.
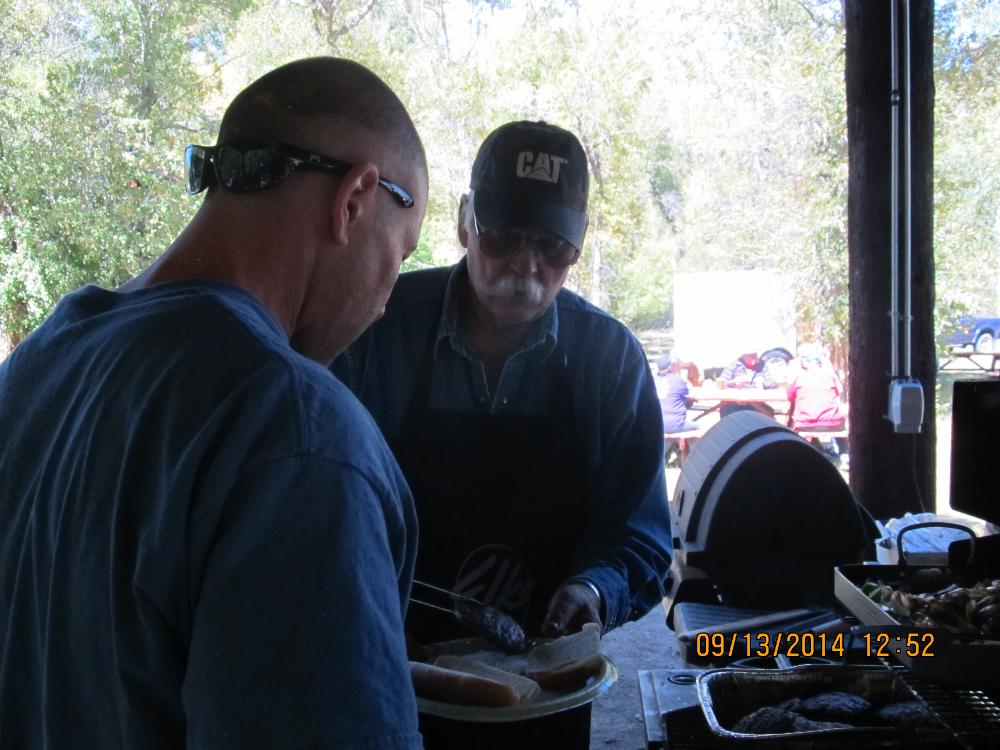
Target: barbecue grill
[[759, 518], [674, 718], [760, 521]]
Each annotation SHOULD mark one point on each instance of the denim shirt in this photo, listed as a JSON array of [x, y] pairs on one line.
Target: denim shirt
[[626, 549]]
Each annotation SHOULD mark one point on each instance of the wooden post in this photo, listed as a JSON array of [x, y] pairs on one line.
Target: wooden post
[[890, 473]]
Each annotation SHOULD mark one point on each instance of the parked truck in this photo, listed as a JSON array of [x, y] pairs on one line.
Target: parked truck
[[979, 332]]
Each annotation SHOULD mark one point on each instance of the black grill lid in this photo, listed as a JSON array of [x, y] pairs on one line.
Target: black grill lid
[[763, 515]]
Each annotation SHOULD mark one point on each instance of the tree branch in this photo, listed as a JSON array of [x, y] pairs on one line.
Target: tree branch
[[325, 11]]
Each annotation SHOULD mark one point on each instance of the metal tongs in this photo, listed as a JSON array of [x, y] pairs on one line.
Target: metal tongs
[[473, 616]]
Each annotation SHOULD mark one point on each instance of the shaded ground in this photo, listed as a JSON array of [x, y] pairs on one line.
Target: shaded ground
[[616, 720]]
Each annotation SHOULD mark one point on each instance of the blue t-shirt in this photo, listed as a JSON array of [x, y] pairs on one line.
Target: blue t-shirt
[[673, 392], [626, 549], [204, 540]]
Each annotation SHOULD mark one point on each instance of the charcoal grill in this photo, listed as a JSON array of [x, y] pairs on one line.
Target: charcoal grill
[[759, 518]]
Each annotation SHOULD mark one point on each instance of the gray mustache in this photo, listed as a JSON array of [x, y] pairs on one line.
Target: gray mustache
[[528, 289]]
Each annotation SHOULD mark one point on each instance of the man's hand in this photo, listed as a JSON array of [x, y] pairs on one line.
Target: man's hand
[[572, 606]]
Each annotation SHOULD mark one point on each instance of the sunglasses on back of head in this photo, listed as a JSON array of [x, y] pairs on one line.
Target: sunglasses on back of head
[[506, 242], [250, 166]]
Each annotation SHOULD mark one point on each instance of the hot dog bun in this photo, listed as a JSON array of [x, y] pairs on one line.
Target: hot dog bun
[[525, 688], [451, 686], [567, 661]]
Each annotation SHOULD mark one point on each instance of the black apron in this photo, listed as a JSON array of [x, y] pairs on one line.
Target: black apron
[[502, 502]]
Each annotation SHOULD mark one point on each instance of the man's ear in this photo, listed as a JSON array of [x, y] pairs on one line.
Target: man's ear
[[353, 200], [463, 232]]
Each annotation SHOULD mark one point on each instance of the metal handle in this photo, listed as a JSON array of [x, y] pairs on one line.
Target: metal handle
[[925, 524]]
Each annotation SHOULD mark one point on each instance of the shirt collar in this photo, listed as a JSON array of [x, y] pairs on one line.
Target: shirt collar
[[544, 334]]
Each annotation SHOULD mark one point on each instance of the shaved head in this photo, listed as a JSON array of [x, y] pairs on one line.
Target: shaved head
[[322, 249], [318, 100]]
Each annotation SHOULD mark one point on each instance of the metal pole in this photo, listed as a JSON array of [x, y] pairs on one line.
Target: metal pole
[[907, 201], [894, 195]]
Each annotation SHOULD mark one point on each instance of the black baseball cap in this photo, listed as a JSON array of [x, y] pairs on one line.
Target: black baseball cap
[[532, 174]]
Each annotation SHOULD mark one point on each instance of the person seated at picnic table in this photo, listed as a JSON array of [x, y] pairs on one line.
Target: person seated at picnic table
[[745, 372], [815, 395], [672, 389], [815, 392]]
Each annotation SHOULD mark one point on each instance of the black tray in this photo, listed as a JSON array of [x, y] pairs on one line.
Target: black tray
[[955, 661]]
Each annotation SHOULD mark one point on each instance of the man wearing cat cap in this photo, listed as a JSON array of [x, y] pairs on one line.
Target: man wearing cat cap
[[525, 419]]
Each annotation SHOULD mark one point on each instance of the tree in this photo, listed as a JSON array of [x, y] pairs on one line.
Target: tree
[[715, 131], [90, 173], [967, 159], [751, 98]]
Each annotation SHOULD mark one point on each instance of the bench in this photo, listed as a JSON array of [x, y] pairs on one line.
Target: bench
[[821, 434], [683, 439], [816, 438]]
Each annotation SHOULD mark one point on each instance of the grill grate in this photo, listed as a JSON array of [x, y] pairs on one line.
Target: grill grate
[[973, 715]]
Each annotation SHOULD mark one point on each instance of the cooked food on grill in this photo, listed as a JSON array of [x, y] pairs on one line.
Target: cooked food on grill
[[767, 720], [790, 704], [925, 580], [911, 714], [493, 625], [966, 610], [835, 710], [774, 720], [834, 706]]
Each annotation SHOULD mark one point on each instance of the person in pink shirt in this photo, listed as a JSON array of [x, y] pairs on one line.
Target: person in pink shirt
[[815, 392], [815, 397]]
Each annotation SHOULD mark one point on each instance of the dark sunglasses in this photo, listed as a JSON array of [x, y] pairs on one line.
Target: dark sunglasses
[[505, 243], [249, 166]]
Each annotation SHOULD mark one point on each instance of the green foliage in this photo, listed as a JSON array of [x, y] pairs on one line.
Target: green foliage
[[967, 160], [104, 97], [715, 131]]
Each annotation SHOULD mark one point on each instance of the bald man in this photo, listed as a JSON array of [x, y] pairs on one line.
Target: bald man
[[204, 541]]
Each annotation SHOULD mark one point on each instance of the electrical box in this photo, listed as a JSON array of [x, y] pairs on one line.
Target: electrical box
[[906, 405]]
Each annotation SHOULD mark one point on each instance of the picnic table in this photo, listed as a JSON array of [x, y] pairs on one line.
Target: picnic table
[[708, 399], [964, 361]]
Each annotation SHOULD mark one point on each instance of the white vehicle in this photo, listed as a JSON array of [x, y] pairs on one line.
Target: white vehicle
[[719, 315]]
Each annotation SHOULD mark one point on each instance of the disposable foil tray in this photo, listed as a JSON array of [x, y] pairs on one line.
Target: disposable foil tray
[[943, 657], [727, 695]]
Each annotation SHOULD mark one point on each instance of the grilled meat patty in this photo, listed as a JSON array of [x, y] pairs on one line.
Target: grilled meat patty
[[907, 714], [499, 629], [834, 706], [774, 720]]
